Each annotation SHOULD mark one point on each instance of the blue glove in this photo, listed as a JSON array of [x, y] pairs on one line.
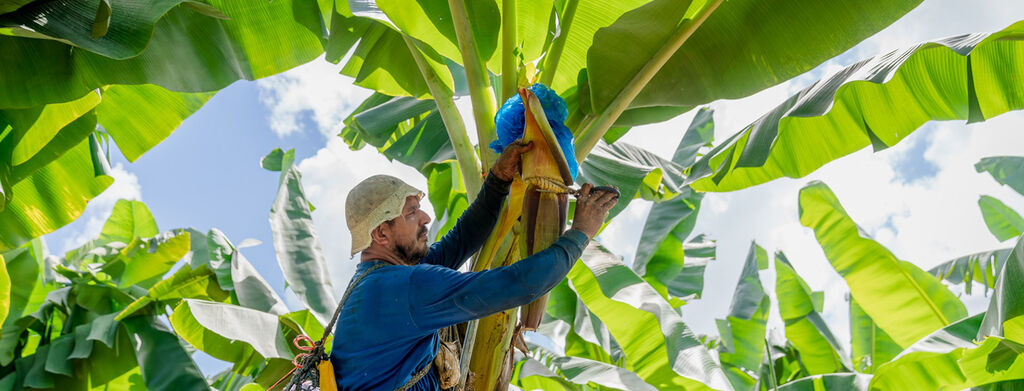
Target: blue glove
[[511, 120]]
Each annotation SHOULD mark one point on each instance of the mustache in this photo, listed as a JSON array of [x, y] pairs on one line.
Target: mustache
[[422, 230]]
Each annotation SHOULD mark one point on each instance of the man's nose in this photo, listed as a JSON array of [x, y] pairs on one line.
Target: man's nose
[[425, 218]]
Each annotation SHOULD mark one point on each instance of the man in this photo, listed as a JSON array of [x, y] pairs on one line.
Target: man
[[387, 333]]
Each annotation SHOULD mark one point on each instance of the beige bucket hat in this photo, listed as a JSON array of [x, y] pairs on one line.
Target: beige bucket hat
[[373, 201]]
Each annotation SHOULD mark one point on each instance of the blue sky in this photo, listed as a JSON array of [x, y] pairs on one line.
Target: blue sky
[[918, 198]]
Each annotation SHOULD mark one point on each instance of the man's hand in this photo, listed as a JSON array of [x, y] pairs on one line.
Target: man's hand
[[592, 205], [507, 166]]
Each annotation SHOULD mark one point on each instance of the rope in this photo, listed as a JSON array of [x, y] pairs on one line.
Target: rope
[[306, 363]]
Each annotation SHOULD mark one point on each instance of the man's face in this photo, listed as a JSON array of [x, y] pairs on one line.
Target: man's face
[[409, 231]]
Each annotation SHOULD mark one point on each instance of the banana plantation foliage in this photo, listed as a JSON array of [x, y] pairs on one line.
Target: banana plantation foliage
[[129, 309]]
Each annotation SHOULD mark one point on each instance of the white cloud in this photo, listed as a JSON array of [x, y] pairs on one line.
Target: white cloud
[[314, 92], [88, 226]]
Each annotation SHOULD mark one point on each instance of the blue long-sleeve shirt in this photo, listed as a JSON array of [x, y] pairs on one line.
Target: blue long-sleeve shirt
[[387, 330]]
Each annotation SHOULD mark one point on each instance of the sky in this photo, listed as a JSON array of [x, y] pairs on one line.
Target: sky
[[918, 198]]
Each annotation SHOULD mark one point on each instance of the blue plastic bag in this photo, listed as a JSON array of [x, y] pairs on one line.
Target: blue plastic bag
[[511, 120]]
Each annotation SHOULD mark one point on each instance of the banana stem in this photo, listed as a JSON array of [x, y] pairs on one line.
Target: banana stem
[[509, 79], [480, 92], [452, 122], [555, 53], [588, 139]]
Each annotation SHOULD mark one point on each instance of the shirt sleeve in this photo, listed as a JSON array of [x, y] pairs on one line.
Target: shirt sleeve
[[473, 227], [440, 297]]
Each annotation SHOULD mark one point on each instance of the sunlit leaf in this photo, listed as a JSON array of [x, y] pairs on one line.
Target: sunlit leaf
[[902, 299], [743, 330], [581, 371], [820, 351], [1001, 220], [877, 101], [53, 196], [1008, 299], [968, 269], [1007, 170], [870, 345], [295, 239], [643, 324], [228, 332], [140, 117]]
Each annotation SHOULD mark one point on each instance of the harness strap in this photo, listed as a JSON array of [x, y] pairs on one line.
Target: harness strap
[[416, 378]]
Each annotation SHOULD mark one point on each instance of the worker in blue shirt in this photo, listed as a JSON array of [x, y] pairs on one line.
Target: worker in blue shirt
[[387, 333]]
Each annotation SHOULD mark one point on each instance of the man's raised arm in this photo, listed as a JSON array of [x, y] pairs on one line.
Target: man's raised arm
[[476, 223]]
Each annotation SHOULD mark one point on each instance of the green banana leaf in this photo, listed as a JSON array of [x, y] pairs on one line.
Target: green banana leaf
[[579, 371], [1007, 170], [188, 52], [430, 22], [1007, 302], [903, 300], [820, 351], [673, 268], [129, 220], [638, 173], [128, 110], [185, 283], [381, 60], [968, 269], [296, 242], [35, 129], [1002, 221], [963, 77], [699, 134], [949, 359], [163, 360], [710, 65], [11, 5], [5, 291], [781, 365], [587, 18], [144, 261], [827, 382], [234, 273], [572, 327], [644, 325], [870, 346], [68, 137], [676, 270], [231, 333], [402, 128], [447, 194], [54, 195], [125, 32], [743, 330], [26, 296]]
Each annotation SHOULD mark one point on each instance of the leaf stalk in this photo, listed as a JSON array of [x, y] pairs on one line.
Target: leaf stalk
[[443, 97], [480, 92]]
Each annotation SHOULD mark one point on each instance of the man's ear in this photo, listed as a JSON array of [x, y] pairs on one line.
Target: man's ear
[[380, 236]]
